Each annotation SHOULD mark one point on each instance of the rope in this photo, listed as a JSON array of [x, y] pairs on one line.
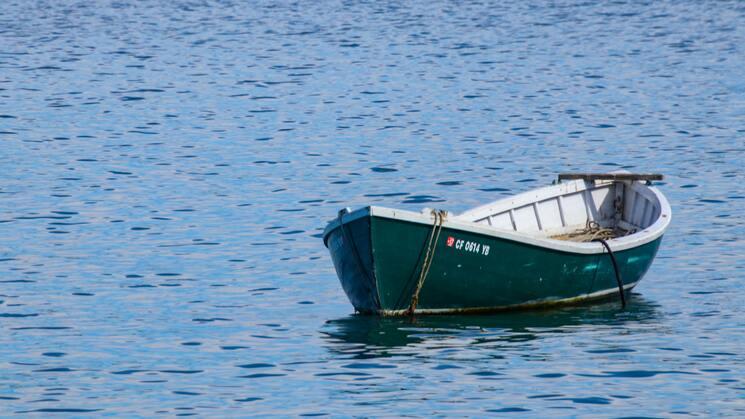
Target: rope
[[429, 256], [592, 232], [615, 269]]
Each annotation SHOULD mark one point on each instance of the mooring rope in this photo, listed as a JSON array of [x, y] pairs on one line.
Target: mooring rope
[[615, 269], [429, 256]]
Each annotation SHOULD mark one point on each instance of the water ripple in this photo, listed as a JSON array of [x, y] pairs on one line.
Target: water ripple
[[168, 169]]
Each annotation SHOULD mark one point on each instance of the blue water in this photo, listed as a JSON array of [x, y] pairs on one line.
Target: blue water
[[166, 171]]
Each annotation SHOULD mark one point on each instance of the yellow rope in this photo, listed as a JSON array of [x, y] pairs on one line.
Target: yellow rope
[[434, 235], [591, 232]]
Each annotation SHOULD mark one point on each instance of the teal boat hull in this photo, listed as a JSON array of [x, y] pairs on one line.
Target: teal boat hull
[[378, 261]]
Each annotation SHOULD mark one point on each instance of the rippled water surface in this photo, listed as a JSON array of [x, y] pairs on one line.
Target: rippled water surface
[[166, 169]]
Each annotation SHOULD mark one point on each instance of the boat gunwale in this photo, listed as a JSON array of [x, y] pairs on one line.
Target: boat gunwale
[[646, 235]]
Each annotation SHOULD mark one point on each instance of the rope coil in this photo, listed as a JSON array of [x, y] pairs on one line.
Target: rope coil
[[592, 232], [429, 256]]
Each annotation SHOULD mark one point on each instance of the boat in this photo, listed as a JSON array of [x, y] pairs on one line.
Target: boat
[[585, 237]]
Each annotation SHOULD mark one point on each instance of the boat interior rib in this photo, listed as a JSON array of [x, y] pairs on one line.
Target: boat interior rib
[[579, 210]]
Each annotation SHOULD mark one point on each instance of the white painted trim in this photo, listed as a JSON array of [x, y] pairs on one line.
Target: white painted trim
[[654, 231], [347, 217]]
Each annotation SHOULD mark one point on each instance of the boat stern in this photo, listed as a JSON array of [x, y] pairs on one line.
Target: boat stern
[[348, 239]]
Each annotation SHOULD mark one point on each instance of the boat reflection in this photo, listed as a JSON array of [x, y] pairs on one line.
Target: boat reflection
[[372, 336]]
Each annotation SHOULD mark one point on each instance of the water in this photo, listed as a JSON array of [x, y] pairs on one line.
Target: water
[[166, 172]]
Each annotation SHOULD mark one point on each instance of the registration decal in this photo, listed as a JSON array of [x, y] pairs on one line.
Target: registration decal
[[468, 246]]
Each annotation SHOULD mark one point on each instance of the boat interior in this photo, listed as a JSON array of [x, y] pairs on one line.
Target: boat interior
[[579, 210]]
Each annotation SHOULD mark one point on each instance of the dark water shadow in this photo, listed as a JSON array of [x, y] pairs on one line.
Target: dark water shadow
[[372, 336]]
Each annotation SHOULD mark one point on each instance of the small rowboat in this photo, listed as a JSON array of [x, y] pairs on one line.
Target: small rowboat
[[588, 236]]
